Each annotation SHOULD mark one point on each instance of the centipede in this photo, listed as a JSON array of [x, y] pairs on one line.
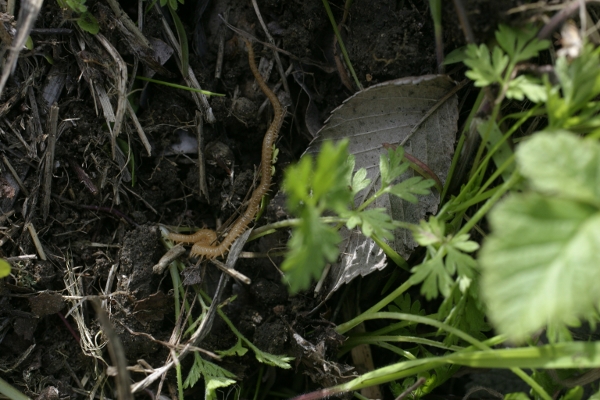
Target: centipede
[[204, 241]]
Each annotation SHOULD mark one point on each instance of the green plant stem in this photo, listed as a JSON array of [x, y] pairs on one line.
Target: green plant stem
[[395, 349], [176, 285], [457, 153], [176, 86], [345, 327], [11, 392], [355, 341], [506, 186], [475, 200], [457, 332], [509, 161], [391, 253], [290, 223], [435, 7], [183, 43], [419, 319], [258, 381], [179, 380], [341, 43]]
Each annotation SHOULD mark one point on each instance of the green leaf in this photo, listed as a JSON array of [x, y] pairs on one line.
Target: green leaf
[[313, 190], [88, 23], [359, 180], [434, 276], [523, 86], [76, 5], [29, 43], [517, 396], [183, 41], [392, 166], [446, 256], [499, 61], [579, 84], [124, 146], [373, 221], [456, 56], [540, 263], [214, 376], [482, 72], [237, 350], [575, 393], [467, 314], [297, 185], [272, 359], [409, 188], [323, 184], [329, 186], [312, 245], [521, 44], [4, 268], [562, 163], [430, 232]]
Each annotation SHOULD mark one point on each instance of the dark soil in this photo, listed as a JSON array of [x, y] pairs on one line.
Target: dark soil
[[101, 233]]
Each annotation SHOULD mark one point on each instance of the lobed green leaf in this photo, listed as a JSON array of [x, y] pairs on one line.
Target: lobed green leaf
[[540, 264], [562, 164], [311, 246]]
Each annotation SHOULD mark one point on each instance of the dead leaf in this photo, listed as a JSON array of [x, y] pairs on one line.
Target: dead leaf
[[386, 114]]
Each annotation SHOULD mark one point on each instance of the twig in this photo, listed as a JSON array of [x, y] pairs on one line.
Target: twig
[[69, 327], [127, 22], [231, 272], [558, 19], [167, 258], [199, 98], [83, 177], [254, 39], [275, 54], [201, 161], [138, 128], [464, 21], [412, 387], [27, 16], [120, 86], [15, 175], [116, 351], [221, 48], [52, 125], [36, 241], [198, 335]]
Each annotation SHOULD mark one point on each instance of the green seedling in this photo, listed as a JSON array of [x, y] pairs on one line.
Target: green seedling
[[327, 185], [84, 19]]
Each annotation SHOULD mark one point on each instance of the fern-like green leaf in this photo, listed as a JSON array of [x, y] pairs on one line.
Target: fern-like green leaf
[[214, 377]]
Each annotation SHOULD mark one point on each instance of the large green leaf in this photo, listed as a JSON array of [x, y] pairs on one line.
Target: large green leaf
[[540, 264], [562, 163]]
